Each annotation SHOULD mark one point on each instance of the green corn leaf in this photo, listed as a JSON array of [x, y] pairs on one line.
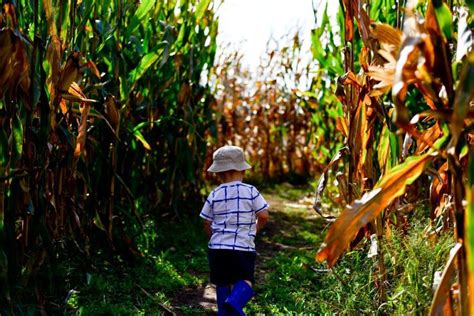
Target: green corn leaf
[[394, 149], [3, 149], [362, 211], [98, 222], [64, 14], [443, 141], [445, 20], [140, 126], [201, 9], [139, 136], [165, 55], [87, 7], [145, 63], [18, 135], [464, 97], [470, 4], [182, 34], [139, 16], [469, 222], [316, 35]]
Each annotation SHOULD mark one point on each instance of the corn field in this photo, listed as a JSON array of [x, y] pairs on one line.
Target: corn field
[[110, 112], [273, 117], [406, 98], [103, 120]]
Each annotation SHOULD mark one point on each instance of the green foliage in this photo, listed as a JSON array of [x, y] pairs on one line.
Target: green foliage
[[383, 11], [285, 190], [412, 261], [288, 279], [327, 52], [103, 131], [469, 220], [295, 284], [470, 3], [386, 56], [149, 285], [291, 282], [125, 291], [445, 20]]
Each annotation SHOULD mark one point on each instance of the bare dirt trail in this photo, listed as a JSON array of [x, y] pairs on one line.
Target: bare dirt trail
[[288, 213]]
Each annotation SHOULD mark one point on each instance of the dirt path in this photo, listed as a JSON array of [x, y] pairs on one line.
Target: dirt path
[[289, 215]]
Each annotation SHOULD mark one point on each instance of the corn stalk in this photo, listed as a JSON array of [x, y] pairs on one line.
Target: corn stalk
[[272, 117], [417, 60], [103, 115]]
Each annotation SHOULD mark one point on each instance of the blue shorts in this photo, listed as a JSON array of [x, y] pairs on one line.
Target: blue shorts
[[230, 266]]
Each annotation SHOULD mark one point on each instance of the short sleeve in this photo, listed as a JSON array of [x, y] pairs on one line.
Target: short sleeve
[[206, 211], [258, 202]]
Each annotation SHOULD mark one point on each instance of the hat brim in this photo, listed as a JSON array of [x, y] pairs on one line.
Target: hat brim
[[221, 167]]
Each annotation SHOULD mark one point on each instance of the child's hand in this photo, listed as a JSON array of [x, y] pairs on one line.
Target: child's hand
[[208, 228], [262, 219]]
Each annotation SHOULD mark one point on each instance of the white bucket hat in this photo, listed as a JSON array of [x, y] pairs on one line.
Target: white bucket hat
[[228, 158]]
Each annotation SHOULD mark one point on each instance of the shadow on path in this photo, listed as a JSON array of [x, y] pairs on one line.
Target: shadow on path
[[200, 300]]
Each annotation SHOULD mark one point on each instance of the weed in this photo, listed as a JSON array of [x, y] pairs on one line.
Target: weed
[[413, 260]]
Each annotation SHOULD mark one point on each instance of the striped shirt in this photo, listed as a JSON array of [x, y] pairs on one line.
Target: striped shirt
[[232, 208]]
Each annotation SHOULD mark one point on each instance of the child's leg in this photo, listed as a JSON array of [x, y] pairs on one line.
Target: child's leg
[[241, 293], [242, 267], [246, 281], [222, 293], [218, 277]]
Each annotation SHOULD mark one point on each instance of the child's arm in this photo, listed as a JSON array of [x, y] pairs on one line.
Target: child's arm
[[262, 219], [207, 215], [208, 228]]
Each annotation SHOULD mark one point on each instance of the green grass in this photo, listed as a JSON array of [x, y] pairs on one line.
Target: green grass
[[295, 283], [413, 261], [175, 260], [289, 280], [288, 191]]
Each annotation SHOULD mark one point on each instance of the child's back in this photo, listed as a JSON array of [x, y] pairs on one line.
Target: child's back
[[233, 207]]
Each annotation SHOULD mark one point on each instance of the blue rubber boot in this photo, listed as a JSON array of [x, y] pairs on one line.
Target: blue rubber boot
[[240, 295], [222, 292]]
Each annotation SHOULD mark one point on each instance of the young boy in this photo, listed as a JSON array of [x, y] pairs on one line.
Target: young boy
[[233, 213]]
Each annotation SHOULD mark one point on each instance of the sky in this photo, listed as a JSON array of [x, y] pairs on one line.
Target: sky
[[248, 24]]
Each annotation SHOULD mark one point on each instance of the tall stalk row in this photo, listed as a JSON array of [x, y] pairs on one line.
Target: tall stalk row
[[407, 95], [269, 113], [103, 115]]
